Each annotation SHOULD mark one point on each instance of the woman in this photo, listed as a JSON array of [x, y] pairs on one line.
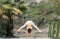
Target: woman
[[29, 25]]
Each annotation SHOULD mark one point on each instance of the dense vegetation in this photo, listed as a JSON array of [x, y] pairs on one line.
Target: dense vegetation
[[45, 12]]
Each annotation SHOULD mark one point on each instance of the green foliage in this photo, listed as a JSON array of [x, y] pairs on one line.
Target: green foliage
[[47, 11], [6, 12], [56, 29]]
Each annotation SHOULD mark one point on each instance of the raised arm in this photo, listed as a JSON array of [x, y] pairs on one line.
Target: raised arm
[[22, 26], [36, 27]]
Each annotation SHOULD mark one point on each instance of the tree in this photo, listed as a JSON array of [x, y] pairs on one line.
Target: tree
[[6, 12]]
